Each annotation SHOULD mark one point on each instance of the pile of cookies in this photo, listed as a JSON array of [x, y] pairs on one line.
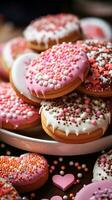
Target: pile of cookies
[[59, 80], [65, 86]]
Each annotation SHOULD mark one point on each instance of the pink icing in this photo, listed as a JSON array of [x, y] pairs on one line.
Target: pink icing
[[63, 182], [13, 110], [17, 46], [55, 68], [23, 170], [95, 191]]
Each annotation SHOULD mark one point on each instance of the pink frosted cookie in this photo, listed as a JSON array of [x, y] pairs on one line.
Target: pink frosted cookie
[[11, 50], [52, 29], [75, 118], [96, 28], [14, 113], [57, 71], [7, 191], [17, 77], [103, 167], [99, 79], [101, 190], [26, 173]]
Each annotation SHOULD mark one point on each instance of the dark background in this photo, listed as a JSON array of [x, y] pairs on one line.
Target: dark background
[[22, 12]]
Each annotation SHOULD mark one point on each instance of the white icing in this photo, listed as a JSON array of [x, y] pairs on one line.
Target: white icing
[[84, 127], [99, 173], [18, 74], [7, 55], [100, 23], [32, 34]]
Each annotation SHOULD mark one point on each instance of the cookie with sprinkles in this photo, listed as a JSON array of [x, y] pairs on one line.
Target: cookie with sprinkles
[[57, 71], [15, 114], [26, 173], [96, 28], [49, 30], [101, 190], [17, 78], [75, 118], [7, 191], [99, 79], [103, 167], [11, 50]]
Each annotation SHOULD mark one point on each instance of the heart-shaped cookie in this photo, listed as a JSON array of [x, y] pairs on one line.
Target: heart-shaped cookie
[[63, 182], [7, 191], [27, 172]]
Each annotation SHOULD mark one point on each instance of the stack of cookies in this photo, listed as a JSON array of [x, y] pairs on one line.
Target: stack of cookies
[[64, 83]]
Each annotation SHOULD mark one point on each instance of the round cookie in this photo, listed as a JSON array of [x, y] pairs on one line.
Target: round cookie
[[11, 50], [17, 77], [49, 30], [75, 118], [101, 190], [26, 173], [7, 191], [99, 79], [96, 28], [57, 71], [3, 73], [103, 167], [15, 114]]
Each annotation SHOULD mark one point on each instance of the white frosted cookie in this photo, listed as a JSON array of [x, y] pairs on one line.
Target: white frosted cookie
[[103, 167], [96, 28], [52, 29], [18, 74], [75, 118], [12, 49]]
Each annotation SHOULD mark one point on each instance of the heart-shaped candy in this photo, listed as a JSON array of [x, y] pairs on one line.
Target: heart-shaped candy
[[63, 182]]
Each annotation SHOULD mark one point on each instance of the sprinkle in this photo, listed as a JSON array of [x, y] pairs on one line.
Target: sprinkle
[[61, 172], [71, 163], [60, 159], [79, 175]]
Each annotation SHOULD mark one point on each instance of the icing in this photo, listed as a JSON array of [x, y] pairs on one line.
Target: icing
[[96, 28], [7, 191], [13, 110], [13, 49], [76, 114], [22, 170], [51, 27], [18, 74], [55, 68], [99, 54], [103, 167], [96, 191]]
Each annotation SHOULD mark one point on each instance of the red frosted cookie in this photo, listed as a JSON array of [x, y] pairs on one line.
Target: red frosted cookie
[[75, 118], [14, 113], [96, 28], [57, 71], [26, 173], [17, 77], [103, 167], [101, 190], [7, 191], [11, 50], [52, 29], [99, 79]]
